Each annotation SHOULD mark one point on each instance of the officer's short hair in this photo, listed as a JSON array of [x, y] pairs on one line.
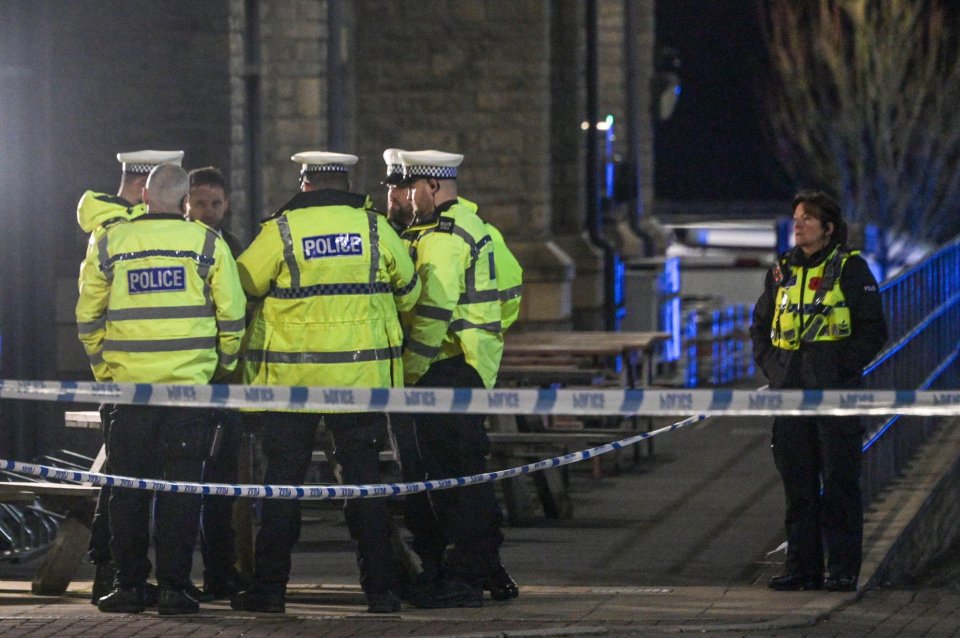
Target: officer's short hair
[[207, 176], [168, 188]]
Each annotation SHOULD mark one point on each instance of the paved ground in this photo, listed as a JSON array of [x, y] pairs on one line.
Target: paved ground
[[677, 544]]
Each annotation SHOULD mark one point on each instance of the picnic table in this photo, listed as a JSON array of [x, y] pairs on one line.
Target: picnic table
[[565, 359]]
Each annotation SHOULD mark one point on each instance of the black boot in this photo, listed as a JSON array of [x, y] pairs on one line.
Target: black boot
[[123, 600], [383, 602], [795, 581], [174, 602], [424, 583], [103, 581], [200, 595], [225, 584], [268, 598], [498, 581], [151, 594], [840, 583]]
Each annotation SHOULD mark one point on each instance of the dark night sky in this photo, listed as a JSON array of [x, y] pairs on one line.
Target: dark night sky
[[714, 146]]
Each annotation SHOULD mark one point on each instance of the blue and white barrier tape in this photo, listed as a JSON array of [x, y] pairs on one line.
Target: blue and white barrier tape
[[647, 402], [328, 492]]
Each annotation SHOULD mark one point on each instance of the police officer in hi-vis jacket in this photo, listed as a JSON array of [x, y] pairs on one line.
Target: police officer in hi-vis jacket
[[95, 212], [160, 302], [818, 322], [454, 339], [330, 276]]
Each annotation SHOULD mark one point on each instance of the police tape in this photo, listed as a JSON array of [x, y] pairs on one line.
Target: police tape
[[328, 492], [605, 402]]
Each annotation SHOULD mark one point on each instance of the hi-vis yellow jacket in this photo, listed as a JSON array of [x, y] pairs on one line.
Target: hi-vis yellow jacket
[[459, 308], [332, 275], [810, 305], [160, 302], [97, 211], [508, 273]]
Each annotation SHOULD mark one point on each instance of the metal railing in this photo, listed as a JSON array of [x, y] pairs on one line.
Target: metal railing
[[923, 318]]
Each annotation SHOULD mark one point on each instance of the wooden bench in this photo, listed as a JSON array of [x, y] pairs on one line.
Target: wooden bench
[[552, 375]]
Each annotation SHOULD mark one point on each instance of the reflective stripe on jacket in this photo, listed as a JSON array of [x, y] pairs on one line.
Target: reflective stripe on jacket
[[95, 212], [810, 305], [160, 302], [459, 308], [331, 275], [508, 273]]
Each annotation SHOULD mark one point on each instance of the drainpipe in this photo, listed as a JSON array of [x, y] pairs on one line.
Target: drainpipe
[[631, 20], [594, 214]]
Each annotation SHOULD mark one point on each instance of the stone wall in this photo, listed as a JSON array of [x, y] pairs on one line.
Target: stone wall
[[569, 66], [467, 77], [499, 80], [292, 73], [83, 80], [146, 74]]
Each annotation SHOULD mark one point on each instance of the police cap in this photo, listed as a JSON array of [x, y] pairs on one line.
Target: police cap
[[430, 164], [324, 162], [145, 161], [391, 157]]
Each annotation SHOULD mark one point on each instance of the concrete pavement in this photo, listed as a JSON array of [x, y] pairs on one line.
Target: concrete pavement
[[675, 545]]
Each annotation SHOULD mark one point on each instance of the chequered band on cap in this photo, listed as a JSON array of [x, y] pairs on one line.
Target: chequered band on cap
[[324, 168], [435, 172], [394, 169], [139, 168]]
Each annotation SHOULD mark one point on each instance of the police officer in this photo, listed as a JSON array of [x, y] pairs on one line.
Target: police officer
[[509, 273], [429, 538], [332, 276], [454, 339], [818, 322], [162, 303], [209, 203], [95, 212], [399, 206]]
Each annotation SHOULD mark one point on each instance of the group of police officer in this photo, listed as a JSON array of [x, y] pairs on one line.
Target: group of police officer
[[328, 294]]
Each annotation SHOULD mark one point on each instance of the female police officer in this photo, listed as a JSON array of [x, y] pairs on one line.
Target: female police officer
[[818, 322]]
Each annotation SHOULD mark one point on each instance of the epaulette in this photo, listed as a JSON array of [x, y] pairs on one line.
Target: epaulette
[[446, 224]]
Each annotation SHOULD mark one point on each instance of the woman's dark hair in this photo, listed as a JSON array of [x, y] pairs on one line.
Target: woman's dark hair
[[827, 210]]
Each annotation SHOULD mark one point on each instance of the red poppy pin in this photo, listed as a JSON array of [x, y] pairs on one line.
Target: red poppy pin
[[814, 283]]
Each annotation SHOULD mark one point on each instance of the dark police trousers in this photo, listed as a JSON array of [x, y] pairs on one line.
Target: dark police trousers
[[288, 442], [454, 445], [162, 443], [99, 547], [429, 538], [807, 450], [218, 540]]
